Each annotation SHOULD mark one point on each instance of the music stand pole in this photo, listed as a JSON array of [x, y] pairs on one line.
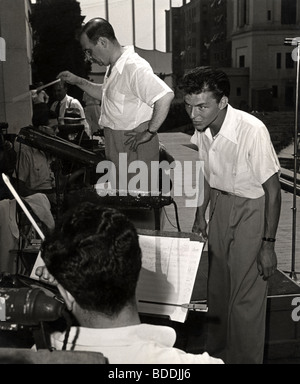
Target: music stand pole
[[293, 273]]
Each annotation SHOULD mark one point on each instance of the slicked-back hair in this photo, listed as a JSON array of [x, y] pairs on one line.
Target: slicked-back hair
[[206, 79], [94, 254], [98, 27]]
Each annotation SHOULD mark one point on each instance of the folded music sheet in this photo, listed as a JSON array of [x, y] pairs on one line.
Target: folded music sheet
[[167, 278]]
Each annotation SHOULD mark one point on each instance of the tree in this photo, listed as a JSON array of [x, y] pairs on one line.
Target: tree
[[55, 25]]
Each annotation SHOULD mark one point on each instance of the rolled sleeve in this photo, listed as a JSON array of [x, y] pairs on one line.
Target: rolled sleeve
[[264, 160]]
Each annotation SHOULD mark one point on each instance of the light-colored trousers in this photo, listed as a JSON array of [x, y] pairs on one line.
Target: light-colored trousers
[[147, 153], [237, 294]]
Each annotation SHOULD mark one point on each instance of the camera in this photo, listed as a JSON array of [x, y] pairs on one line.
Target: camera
[[27, 302]]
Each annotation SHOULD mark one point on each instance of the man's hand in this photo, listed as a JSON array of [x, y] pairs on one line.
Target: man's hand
[[137, 138], [43, 274], [267, 260], [200, 226], [68, 77]]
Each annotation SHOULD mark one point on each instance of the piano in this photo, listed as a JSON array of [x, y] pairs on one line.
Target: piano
[[59, 147]]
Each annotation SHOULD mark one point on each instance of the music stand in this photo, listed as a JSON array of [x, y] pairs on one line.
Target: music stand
[[295, 42]]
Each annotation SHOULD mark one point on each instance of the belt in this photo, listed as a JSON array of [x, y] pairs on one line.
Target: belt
[[223, 192]]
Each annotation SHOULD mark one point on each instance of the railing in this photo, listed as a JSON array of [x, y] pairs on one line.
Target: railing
[[287, 183]]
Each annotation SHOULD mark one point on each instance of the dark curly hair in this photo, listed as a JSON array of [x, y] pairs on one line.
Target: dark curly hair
[[94, 254]]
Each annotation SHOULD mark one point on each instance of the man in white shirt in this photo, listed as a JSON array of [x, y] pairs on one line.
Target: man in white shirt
[[243, 190], [95, 258], [134, 101], [63, 102]]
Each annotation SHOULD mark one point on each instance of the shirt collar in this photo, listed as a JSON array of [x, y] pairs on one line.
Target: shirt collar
[[120, 336], [123, 58], [228, 129], [64, 100]]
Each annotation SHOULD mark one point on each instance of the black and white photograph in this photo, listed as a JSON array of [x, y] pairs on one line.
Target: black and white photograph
[[149, 185]]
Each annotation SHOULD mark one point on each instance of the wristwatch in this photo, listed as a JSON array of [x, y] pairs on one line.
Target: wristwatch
[[151, 133], [269, 239]]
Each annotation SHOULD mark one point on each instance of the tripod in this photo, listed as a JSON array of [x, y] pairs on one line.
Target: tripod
[[295, 42]]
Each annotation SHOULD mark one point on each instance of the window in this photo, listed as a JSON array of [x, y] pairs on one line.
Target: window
[[275, 91], [289, 62], [243, 13], [242, 61], [288, 11], [269, 15], [278, 61], [289, 96]]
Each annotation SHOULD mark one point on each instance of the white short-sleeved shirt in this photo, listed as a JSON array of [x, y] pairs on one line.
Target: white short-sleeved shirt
[[70, 102], [129, 93], [136, 344], [240, 158]]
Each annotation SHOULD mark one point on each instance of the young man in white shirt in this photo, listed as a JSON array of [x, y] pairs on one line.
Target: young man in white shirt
[[242, 187]]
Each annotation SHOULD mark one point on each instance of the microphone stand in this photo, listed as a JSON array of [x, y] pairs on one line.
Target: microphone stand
[[295, 42]]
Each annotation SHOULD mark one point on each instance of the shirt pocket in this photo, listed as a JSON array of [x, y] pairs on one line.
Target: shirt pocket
[[116, 101], [242, 175]]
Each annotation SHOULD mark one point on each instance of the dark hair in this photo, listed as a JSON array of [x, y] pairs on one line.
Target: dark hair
[[98, 27], [41, 114], [2, 141], [206, 79], [94, 254]]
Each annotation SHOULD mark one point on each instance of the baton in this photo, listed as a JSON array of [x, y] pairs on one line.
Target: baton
[[20, 97], [22, 205]]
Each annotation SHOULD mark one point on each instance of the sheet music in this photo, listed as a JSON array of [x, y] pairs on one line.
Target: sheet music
[[169, 268], [39, 262]]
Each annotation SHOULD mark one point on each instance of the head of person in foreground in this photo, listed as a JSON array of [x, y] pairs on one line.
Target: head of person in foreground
[[95, 257]]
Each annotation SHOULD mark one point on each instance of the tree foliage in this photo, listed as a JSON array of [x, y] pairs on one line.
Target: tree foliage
[[55, 25]]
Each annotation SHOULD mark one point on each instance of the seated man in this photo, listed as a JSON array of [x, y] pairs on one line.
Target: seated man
[[33, 172], [94, 257]]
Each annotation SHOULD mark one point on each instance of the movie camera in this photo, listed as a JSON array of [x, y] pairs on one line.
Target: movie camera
[[25, 302]]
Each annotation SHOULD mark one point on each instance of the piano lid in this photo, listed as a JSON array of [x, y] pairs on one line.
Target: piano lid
[[58, 146]]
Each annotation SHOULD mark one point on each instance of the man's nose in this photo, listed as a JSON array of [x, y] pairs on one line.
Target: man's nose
[[193, 112]]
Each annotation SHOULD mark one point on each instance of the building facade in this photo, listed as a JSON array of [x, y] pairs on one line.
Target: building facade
[[258, 33], [246, 39]]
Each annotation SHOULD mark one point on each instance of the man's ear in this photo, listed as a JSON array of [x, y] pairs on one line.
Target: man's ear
[[223, 103], [68, 298], [102, 41]]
